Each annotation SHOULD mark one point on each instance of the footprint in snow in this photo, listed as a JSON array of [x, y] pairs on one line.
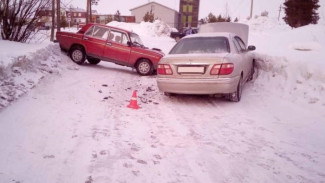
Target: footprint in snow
[[141, 162]]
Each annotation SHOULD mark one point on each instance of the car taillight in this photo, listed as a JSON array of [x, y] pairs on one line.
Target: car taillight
[[222, 69], [164, 69]]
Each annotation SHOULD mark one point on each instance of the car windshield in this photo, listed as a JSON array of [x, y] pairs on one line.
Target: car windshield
[[201, 45], [136, 39]]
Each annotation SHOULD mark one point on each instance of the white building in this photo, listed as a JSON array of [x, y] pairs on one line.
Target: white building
[[164, 13]]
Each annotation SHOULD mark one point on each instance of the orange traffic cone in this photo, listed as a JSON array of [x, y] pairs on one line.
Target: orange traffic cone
[[134, 103]]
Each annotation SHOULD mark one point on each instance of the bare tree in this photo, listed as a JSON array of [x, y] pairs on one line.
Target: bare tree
[[18, 18], [1, 11]]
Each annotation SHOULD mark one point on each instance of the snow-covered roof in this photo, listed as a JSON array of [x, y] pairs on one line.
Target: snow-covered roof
[[76, 10], [153, 3]]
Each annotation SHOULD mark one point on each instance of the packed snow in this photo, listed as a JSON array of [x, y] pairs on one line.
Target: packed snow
[[72, 124]]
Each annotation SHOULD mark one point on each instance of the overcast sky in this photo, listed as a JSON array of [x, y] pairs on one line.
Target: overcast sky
[[236, 8]]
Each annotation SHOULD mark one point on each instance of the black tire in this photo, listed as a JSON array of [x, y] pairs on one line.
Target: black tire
[[93, 61], [251, 76], [77, 55], [168, 94], [144, 67], [236, 96], [62, 49]]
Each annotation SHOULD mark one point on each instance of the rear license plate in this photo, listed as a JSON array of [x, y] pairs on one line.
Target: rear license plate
[[190, 70]]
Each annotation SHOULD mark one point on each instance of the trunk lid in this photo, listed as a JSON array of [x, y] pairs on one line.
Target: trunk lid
[[193, 65]]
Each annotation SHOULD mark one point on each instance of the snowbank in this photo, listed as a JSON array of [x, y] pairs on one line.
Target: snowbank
[[291, 62], [150, 33], [24, 67], [145, 29]]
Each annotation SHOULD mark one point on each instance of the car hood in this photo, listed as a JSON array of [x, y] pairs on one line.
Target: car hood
[[149, 51]]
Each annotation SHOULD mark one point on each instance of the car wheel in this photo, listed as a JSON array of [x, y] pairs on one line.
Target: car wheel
[[61, 48], [168, 94], [93, 61], [236, 96], [77, 54], [251, 76], [144, 67]]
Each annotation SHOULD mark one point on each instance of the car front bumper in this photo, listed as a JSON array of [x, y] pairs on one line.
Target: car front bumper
[[198, 86]]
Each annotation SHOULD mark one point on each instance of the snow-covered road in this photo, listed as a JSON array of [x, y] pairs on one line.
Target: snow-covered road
[[76, 128], [73, 125]]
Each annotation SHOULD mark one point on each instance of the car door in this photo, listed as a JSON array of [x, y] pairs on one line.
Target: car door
[[116, 48], [95, 40], [244, 55]]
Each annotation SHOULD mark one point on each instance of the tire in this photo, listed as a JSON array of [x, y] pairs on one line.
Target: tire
[[144, 67], [251, 76], [93, 61], [168, 94], [62, 49], [236, 96], [77, 54]]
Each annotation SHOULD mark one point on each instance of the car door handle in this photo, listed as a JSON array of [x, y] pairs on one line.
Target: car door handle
[[85, 38], [109, 44]]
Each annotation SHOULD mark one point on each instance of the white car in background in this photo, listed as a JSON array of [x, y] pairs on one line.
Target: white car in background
[[214, 61]]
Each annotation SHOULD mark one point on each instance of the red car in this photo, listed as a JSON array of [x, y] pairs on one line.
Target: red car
[[96, 42]]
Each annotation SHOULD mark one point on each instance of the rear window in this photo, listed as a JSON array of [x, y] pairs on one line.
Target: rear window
[[201, 45]]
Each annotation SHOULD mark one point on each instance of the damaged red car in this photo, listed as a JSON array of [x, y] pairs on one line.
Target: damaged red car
[[96, 42]]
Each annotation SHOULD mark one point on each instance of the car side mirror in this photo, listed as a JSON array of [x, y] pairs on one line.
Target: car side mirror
[[251, 48], [129, 43]]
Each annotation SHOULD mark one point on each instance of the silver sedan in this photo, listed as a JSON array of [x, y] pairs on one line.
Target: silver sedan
[[207, 63]]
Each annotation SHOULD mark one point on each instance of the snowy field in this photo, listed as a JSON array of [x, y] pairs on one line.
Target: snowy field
[[63, 123]]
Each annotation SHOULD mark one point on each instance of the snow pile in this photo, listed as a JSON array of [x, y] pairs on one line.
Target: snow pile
[[11, 50], [295, 69], [22, 69], [145, 29], [266, 24], [152, 34]]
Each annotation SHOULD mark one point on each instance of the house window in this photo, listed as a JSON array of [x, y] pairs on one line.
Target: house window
[[183, 19], [190, 8], [184, 8], [79, 14], [74, 14], [189, 19]]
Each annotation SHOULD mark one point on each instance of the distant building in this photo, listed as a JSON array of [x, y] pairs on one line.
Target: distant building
[[76, 15], [104, 19], [189, 13], [46, 17], [164, 13]]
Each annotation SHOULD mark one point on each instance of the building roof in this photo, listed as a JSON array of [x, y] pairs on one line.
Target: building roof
[[152, 3], [76, 10]]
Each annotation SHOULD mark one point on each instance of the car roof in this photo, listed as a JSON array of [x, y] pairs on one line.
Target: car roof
[[116, 28]]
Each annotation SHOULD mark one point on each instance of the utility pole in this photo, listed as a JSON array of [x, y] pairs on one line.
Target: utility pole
[[90, 12], [87, 12], [53, 20], [279, 12], [251, 15], [58, 14]]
